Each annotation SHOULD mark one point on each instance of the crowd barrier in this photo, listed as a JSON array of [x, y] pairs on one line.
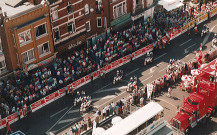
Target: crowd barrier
[[56, 95]]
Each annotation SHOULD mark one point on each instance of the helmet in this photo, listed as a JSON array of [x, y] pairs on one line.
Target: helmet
[[117, 71], [215, 34], [131, 78]]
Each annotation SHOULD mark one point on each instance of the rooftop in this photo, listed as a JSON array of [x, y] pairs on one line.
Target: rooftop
[[13, 7]]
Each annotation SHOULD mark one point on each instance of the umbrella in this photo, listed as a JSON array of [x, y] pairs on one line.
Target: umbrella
[[116, 119], [195, 72]]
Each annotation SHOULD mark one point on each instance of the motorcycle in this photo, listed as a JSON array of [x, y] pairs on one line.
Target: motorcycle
[[148, 59], [214, 43], [204, 32], [132, 85], [118, 78]]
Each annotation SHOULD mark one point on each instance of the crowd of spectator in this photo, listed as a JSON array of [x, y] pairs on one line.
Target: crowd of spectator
[[137, 97], [28, 87]]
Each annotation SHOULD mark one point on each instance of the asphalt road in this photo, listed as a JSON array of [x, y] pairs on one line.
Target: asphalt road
[[61, 114]]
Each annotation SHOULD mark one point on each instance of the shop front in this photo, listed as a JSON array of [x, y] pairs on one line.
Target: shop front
[[121, 22], [73, 43]]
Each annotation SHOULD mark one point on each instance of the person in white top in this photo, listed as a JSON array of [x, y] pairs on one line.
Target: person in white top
[[141, 101], [169, 91]]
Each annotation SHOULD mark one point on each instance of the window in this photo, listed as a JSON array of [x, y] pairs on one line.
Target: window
[[43, 49], [99, 22], [69, 7], [88, 28], [86, 9], [55, 13], [71, 27], [119, 10], [57, 34], [28, 56], [2, 65], [98, 6], [40, 30], [24, 37]]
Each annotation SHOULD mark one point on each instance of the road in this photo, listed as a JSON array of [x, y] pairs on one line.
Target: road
[[61, 114]]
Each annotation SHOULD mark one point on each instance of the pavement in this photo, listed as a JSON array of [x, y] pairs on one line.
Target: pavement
[[61, 113]]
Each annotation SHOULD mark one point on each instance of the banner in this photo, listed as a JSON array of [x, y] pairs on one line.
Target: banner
[[37, 105], [126, 59], [175, 33], [202, 18], [87, 79], [78, 83], [95, 75], [12, 118], [213, 12], [149, 48], [139, 53], [115, 64], [3, 123], [50, 98], [187, 26], [61, 92]]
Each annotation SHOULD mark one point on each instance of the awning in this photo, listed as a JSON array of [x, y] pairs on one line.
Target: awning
[[170, 4]]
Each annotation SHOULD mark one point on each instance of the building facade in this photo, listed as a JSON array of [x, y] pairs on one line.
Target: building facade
[[28, 37]]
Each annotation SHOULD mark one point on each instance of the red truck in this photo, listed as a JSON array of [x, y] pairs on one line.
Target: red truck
[[201, 103]]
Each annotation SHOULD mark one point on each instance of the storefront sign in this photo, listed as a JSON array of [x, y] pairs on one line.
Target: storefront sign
[[74, 45]]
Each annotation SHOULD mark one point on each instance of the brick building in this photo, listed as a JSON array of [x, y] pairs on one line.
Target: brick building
[[125, 12], [27, 33], [74, 22]]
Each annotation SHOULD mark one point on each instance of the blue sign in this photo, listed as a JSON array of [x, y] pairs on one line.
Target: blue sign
[[18, 133]]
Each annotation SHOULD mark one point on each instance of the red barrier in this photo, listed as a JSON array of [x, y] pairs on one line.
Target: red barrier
[[139, 53], [87, 78], [94, 75], [149, 48], [116, 64], [37, 105], [78, 83], [3, 123], [48, 99], [62, 92], [12, 118], [176, 33], [126, 59]]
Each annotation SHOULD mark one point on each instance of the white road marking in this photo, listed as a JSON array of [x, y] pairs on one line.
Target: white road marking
[[132, 72], [58, 112], [59, 119], [160, 56], [185, 42], [102, 98], [66, 121], [73, 111], [102, 88], [186, 49], [166, 102], [207, 36], [162, 69], [147, 78], [151, 70], [112, 89], [110, 100]]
